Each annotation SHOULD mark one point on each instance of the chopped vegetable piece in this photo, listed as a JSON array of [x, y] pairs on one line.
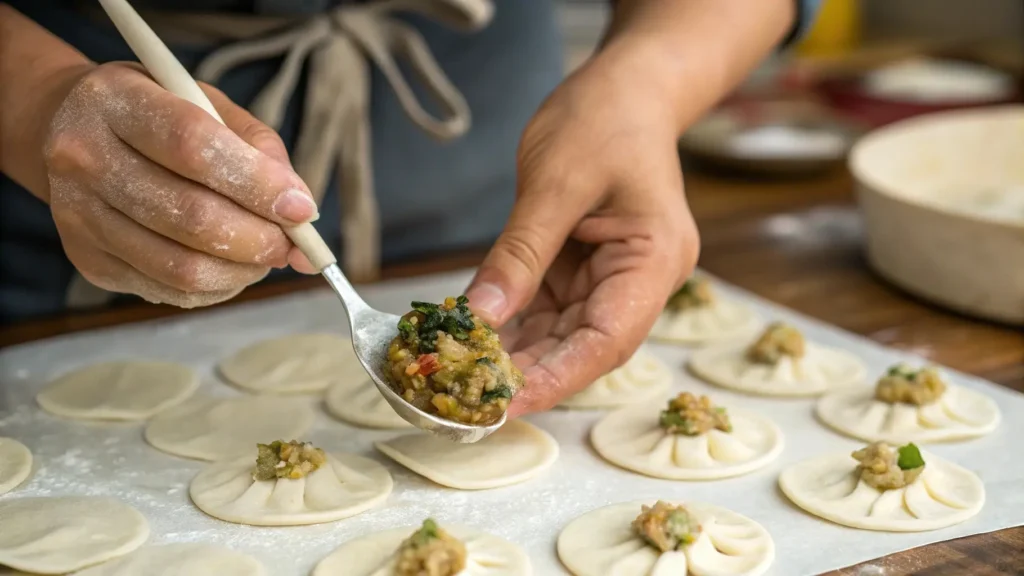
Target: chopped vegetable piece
[[448, 362], [666, 527], [430, 551], [910, 457], [292, 460], [687, 414], [881, 466], [777, 341], [903, 384]]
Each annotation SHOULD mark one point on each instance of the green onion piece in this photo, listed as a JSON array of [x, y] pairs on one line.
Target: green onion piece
[[910, 457]]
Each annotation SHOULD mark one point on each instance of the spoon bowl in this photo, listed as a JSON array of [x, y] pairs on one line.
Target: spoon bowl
[[372, 332]]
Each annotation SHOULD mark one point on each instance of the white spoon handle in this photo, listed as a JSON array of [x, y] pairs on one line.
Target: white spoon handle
[[170, 74]]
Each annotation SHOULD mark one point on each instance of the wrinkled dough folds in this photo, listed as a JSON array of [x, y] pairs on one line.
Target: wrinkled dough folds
[[374, 555], [639, 379], [603, 543], [960, 413], [631, 438], [724, 320], [820, 370], [345, 486], [830, 487]]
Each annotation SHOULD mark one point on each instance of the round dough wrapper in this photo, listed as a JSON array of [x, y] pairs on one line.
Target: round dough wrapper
[[291, 364], [633, 439], [960, 413], [820, 370], [355, 399], [373, 555], [345, 486], [179, 560], [603, 542], [515, 453], [63, 534], [208, 428], [118, 390], [724, 320], [15, 464], [642, 377], [830, 487]]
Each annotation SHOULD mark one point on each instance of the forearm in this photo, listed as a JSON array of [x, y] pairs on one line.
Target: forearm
[[37, 70], [693, 52]]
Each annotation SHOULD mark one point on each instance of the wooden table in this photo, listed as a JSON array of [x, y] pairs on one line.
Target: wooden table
[[798, 244]]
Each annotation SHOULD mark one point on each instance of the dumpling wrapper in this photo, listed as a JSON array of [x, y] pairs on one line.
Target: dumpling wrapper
[[515, 453], [345, 486], [821, 369], [57, 535], [830, 487], [374, 554], [632, 439], [118, 390], [725, 319], [296, 363], [639, 379], [179, 560], [602, 542], [209, 428], [960, 413], [15, 464], [354, 399]]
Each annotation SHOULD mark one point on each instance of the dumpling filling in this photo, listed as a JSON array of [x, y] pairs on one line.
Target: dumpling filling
[[292, 460], [687, 414], [887, 468], [430, 551], [666, 527], [903, 384], [695, 293], [777, 341], [448, 362]]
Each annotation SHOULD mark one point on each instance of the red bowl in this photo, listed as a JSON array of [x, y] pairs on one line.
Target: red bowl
[[848, 98]]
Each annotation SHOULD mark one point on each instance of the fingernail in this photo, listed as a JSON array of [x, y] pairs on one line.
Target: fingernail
[[487, 299], [295, 206]]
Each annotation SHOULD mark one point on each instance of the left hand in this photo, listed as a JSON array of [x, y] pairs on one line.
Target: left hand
[[599, 237]]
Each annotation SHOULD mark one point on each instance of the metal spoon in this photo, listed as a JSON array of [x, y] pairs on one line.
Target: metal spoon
[[372, 330]]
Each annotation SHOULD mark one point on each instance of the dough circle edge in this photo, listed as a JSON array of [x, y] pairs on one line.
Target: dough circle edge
[[338, 410], [230, 368], [23, 459], [580, 402], [187, 383], [874, 524], [661, 334], [119, 566], [699, 474], [107, 507]]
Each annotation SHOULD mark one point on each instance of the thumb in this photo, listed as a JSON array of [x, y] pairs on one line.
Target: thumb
[[514, 268]]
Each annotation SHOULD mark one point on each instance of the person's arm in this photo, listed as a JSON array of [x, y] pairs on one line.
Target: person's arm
[[600, 234], [696, 51], [37, 69]]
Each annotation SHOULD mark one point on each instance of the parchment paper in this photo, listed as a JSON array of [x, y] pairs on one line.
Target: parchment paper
[[113, 460]]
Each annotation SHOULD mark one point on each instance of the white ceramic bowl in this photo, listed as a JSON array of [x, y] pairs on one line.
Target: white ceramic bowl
[[943, 202]]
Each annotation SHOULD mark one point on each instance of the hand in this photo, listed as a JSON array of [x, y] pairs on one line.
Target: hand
[[599, 237], [152, 196]]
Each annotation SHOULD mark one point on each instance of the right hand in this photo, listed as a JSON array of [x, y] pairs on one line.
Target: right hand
[[152, 196]]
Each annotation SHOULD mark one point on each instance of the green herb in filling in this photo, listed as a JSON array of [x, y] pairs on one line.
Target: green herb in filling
[[910, 457]]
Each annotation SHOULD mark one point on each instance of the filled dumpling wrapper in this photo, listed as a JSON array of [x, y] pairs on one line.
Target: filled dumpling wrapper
[[642, 377], [405, 552], [696, 314], [688, 440], [778, 363], [909, 405], [282, 487], [885, 488], [648, 538]]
